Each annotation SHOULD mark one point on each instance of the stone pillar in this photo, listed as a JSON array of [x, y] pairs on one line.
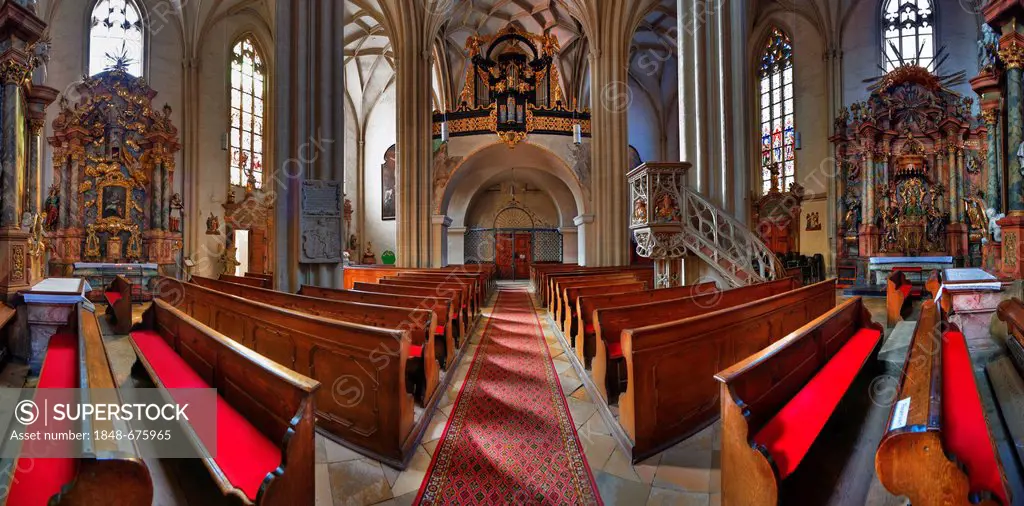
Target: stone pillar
[[439, 224], [609, 27], [868, 232], [456, 245], [584, 228], [308, 127], [954, 184], [74, 196], [34, 168], [61, 169], [411, 27], [154, 197], [570, 245]]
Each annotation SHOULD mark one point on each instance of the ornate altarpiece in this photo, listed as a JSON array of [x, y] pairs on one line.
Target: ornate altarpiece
[[113, 175], [911, 166]]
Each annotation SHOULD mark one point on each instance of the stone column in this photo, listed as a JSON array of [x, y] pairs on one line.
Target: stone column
[[954, 184], [74, 196], [411, 27], [39, 98], [570, 245], [584, 227], [609, 27], [61, 171], [439, 224], [456, 245], [308, 127]]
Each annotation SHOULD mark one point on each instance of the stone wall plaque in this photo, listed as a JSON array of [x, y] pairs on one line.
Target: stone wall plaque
[[321, 222]]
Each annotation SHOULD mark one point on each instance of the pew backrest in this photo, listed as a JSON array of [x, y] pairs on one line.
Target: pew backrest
[[244, 280], [671, 390], [326, 350]]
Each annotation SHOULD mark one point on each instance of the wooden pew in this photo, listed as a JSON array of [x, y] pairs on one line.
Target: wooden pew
[[460, 320], [936, 427], [444, 317], [585, 336], [440, 288], [898, 292], [776, 402], [471, 284], [243, 280], [119, 304], [543, 284], [267, 278], [113, 474], [560, 299], [551, 281], [373, 273], [267, 409], [671, 392], [573, 294], [422, 370], [608, 365], [480, 281], [367, 406]]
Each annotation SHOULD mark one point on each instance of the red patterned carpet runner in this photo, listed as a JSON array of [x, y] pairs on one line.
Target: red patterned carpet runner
[[510, 439]]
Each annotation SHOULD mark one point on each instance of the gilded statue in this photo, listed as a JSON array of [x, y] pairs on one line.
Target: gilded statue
[[975, 215]]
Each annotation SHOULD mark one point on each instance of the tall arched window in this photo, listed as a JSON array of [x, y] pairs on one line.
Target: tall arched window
[[248, 89], [116, 33], [777, 131], [908, 33]]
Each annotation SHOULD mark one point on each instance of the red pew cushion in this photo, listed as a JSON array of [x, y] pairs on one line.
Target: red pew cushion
[[439, 330], [789, 434], [589, 328], [964, 430], [907, 269], [112, 297], [244, 454], [36, 480], [905, 289], [415, 351], [614, 350]]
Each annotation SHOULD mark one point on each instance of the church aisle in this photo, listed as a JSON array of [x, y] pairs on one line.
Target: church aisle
[[510, 437]]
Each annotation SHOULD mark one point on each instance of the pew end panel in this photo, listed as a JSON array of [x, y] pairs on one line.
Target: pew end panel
[[897, 296], [762, 395], [276, 401], [118, 295], [937, 447]]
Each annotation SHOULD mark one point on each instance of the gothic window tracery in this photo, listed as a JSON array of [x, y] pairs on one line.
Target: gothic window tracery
[[116, 30], [248, 92], [908, 33], [778, 134]]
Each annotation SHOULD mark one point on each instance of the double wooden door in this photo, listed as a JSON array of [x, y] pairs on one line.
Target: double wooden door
[[513, 253]]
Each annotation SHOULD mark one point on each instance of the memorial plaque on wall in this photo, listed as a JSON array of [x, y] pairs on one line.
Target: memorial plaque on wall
[[321, 222]]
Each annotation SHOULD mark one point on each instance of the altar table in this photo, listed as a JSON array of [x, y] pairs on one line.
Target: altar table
[[879, 268]]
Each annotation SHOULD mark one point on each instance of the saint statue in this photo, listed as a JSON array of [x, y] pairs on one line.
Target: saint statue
[[52, 207], [995, 232]]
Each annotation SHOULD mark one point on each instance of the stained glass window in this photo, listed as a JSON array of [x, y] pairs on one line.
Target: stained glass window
[[778, 134], [248, 89], [116, 33], [908, 32]]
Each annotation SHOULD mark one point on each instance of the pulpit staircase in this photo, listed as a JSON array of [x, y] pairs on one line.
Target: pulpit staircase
[[727, 245]]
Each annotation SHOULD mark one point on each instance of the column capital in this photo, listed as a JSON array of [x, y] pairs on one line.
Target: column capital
[[568, 230], [440, 219], [583, 219], [1011, 50]]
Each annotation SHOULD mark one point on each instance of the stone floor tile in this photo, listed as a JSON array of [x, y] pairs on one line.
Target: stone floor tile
[[615, 490], [358, 482], [339, 453], [666, 497]]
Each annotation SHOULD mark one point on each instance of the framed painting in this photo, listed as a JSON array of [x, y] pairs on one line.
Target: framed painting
[[387, 185]]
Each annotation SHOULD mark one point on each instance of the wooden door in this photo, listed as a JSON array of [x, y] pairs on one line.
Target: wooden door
[[257, 251], [503, 254], [523, 255]]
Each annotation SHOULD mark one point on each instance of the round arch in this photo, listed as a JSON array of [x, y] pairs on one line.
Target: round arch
[[533, 163]]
